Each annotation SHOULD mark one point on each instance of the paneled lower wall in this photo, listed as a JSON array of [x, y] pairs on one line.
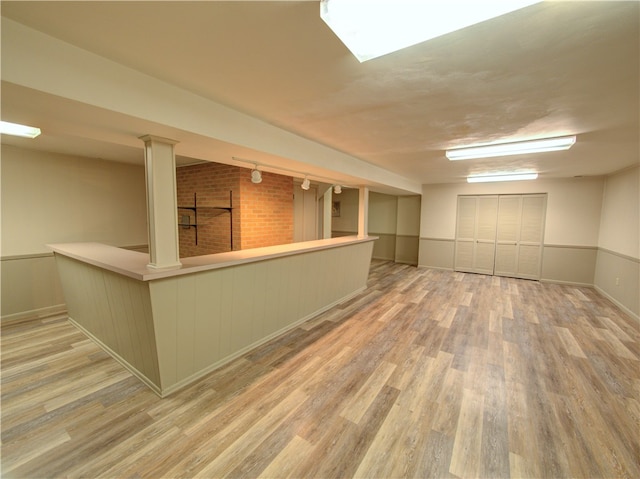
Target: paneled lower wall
[[436, 253], [30, 286], [226, 312], [172, 331], [385, 246], [115, 311], [569, 264], [407, 249], [618, 278]]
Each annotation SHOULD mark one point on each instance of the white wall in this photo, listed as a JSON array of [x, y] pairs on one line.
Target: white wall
[[573, 207], [617, 272], [620, 226], [383, 213], [52, 198], [408, 215]]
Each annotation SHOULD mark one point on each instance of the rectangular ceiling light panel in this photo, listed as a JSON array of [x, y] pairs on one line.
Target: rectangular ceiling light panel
[[15, 129], [506, 149], [508, 177], [372, 28]]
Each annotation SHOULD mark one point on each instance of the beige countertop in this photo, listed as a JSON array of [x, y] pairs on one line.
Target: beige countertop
[[135, 264]]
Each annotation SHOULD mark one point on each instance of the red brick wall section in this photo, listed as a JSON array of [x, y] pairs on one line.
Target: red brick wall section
[[262, 213], [212, 183], [266, 210]]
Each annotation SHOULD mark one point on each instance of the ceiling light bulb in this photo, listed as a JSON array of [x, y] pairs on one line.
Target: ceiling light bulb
[[16, 129], [305, 184], [256, 176], [337, 189], [515, 148]]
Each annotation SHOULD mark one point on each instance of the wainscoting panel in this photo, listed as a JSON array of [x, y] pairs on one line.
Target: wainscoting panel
[[115, 311], [569, 264], [618, 278], [227, 311], [436, 253], [385, 246], [30, 286], [407, 248]]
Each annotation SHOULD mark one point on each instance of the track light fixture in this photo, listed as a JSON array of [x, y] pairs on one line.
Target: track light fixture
[[256, 175]]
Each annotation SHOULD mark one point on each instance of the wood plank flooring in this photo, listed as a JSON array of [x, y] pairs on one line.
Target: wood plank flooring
[[425, 374]]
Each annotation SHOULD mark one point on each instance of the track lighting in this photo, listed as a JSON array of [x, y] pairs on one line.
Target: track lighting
[[256, 175]]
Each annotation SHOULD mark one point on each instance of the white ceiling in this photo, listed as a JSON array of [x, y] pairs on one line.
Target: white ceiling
[[560, 67]]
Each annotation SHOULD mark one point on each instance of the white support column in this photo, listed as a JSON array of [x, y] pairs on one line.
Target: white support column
[[326, 213], [363, 212], [162, 207]]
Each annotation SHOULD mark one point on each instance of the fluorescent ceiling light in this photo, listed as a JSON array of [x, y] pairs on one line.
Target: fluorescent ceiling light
[[15, 129], [518, 148], [505, 177], [372, 28]]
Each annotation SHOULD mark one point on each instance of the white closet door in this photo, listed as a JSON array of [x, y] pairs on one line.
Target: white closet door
[[476, 234], [520, 235], [485, 246], [465, 233], [531, 236], [508, 235]]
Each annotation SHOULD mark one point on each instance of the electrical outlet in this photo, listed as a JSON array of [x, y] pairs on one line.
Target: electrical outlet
[[617, 281]]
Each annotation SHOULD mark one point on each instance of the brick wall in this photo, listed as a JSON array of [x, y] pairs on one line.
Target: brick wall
[[262, 213], [266, 210]]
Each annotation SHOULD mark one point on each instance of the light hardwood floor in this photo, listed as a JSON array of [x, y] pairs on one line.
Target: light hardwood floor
[[425, 374]]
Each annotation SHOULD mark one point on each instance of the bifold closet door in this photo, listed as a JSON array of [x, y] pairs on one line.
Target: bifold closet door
[[534, 208], [508, 235], [476, 234], [520, 233]]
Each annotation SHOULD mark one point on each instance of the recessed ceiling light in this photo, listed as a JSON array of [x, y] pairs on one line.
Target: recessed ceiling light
[[517, 148], [15, 129], [501, 177], [373, 28]]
